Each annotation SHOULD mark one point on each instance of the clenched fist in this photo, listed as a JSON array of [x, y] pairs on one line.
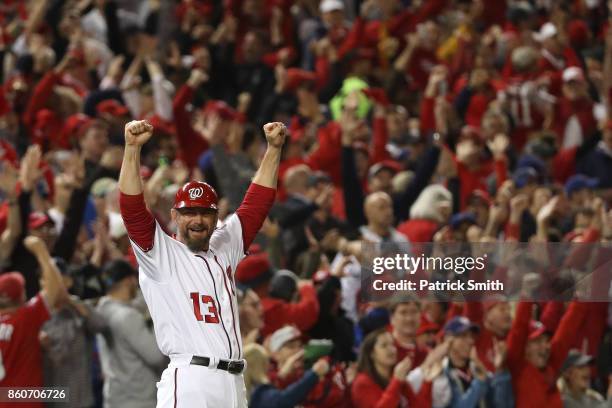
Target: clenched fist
[[275, 134], [138, 132], [34, 244]]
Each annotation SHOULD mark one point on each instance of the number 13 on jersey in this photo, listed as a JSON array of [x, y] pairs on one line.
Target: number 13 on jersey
[[210, 309]]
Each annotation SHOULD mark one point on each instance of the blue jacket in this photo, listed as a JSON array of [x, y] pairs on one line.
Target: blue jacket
[[495, 391], [266, 395]]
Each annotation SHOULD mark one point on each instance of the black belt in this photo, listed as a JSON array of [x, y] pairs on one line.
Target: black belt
[[231, 366]]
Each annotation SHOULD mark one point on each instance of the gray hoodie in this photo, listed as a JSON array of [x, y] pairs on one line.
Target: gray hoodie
[[131, 360]]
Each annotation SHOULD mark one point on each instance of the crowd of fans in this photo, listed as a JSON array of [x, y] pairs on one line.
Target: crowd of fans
[[410, 121]]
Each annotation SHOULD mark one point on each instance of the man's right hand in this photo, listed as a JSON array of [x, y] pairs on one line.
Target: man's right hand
[[35, 245], [138, 132]]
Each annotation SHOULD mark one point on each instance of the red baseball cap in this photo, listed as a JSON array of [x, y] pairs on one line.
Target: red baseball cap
[[112, 107], [254, 270], [47, 126], [222, 109], [391, 165], [297, 77], [536, 329], [12, 285], [38, 219], [196, 194], [427, 327], [162, 126], [72, 128]]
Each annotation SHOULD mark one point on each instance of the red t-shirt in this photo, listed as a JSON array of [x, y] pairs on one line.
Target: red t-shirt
[[416, 354], [20, 353]]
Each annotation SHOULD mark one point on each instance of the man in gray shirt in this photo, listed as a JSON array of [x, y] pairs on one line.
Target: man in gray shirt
[[68, 341], [131, 360], [575, 383]]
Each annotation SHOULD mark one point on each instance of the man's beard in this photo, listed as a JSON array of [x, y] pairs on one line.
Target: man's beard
[[196, 244]]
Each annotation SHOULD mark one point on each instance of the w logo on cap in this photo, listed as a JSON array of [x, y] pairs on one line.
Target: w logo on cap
[[196, 192]]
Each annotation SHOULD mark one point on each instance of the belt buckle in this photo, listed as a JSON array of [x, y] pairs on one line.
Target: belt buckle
[[235, 366]]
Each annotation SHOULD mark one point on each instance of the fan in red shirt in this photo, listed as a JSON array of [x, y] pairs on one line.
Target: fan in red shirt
[[522, 94], [494, 318], [381, 381], [575, 120], [556, 55], [20, 321], [535, 360], [473, 164], [255, 272], [405, 319]]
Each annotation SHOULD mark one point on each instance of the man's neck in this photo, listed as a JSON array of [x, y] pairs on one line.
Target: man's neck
[[120, 296], [497, 332], [404, 339], [576, 392], [379, 230]]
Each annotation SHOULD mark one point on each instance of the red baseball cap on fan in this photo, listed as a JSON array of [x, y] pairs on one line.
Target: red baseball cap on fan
[[536, 329], [196, 194], [297, 77], [12, 285], [113, 107]]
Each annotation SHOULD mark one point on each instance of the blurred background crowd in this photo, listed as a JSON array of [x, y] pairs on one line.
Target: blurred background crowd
[[410, 121]]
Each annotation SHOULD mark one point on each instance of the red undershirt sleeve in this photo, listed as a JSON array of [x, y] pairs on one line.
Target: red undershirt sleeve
[[253, 211], [138, 220]]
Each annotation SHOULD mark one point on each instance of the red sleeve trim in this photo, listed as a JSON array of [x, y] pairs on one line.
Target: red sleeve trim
[[139, 221], [253, 211]]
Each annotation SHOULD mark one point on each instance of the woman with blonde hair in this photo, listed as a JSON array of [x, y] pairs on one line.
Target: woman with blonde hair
[[263, 394]]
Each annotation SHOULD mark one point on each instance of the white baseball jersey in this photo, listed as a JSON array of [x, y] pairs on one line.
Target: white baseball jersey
[[192, 296]]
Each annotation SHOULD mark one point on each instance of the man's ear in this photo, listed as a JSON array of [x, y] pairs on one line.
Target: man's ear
[[173, 214]]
